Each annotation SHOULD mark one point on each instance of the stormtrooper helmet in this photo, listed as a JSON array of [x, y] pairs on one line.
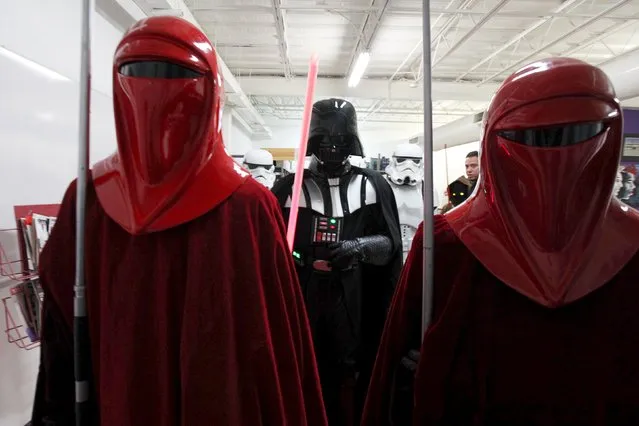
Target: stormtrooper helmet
[[260, 163], [405, 168]]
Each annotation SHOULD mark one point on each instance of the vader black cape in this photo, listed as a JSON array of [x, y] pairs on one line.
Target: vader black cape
[[378, 281]]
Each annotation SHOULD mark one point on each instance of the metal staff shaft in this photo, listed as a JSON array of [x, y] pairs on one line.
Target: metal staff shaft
[[427, 283], [81, 355]]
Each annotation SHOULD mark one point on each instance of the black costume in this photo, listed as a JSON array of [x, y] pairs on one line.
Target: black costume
[[460, 190], [348, 252]]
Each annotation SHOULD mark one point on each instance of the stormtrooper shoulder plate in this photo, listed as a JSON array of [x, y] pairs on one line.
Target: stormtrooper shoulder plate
[[337, 197]]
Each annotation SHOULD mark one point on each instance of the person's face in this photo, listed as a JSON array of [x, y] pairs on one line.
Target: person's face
[[472, 168], [629, 186], [618, 184]]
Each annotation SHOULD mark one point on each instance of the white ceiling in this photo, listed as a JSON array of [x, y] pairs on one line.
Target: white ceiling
[[476, 44]]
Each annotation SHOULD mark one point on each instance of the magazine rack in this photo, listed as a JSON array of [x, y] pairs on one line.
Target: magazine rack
[[22, 309], [18, 333]]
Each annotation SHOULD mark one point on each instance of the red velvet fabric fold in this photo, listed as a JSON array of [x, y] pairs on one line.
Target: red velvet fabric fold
[[493, 357], [201, 324]]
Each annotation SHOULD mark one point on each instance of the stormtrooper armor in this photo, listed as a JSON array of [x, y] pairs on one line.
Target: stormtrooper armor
[[405, 175], [260, 163]]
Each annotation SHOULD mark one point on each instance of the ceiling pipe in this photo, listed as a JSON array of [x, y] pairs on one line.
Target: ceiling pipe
[[282, 39], [434, 42], [622, 70], [559, 39], [368, 32], [443, 31], [484, 19], [519, 37]]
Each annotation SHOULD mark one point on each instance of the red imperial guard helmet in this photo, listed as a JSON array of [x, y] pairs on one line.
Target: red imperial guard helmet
[[171, 165], [543, 219]]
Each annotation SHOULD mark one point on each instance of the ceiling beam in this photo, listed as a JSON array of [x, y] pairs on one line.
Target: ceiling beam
[[368, 32], [178, 7], [513, 41], [367, 89], [116, 14], [396, 11], [417, 112], [282, 41], [621, 70], [557, 40], [484, 19], [246, 108], [599, 36], [439, 36]]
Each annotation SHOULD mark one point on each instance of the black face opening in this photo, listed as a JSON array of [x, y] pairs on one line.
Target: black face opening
[[255, 166], [415, 160], [556, 136], [334, 149], [157, 69]]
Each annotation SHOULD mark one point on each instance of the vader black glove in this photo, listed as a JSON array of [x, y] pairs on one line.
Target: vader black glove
[[375, 249]]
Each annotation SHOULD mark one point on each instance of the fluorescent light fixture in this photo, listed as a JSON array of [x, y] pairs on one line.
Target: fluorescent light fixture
[[34, 66], [359, 68]]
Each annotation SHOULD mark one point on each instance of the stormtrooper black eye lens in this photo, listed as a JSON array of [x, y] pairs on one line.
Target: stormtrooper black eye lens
[[415, 160], [556, 136], [157, 69], [252, 166]]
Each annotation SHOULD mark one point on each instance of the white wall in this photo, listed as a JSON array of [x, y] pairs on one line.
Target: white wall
[[240, 140], [38, 134], [39, 115], [39, 106]]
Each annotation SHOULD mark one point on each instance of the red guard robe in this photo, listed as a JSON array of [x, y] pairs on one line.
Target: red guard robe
[[201, 324], [493, 357]]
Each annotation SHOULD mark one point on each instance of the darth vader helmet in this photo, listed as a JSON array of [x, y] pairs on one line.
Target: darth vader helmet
[[333, 135]]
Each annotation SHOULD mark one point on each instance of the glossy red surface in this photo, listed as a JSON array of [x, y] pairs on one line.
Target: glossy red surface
[[170, 166], [543, 220]]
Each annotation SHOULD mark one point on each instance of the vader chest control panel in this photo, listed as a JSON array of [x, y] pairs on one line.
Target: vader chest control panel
[[326, 229]]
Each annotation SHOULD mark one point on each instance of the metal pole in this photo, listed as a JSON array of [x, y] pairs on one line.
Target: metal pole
[[427, 283], [81, 355], [446, 159]]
